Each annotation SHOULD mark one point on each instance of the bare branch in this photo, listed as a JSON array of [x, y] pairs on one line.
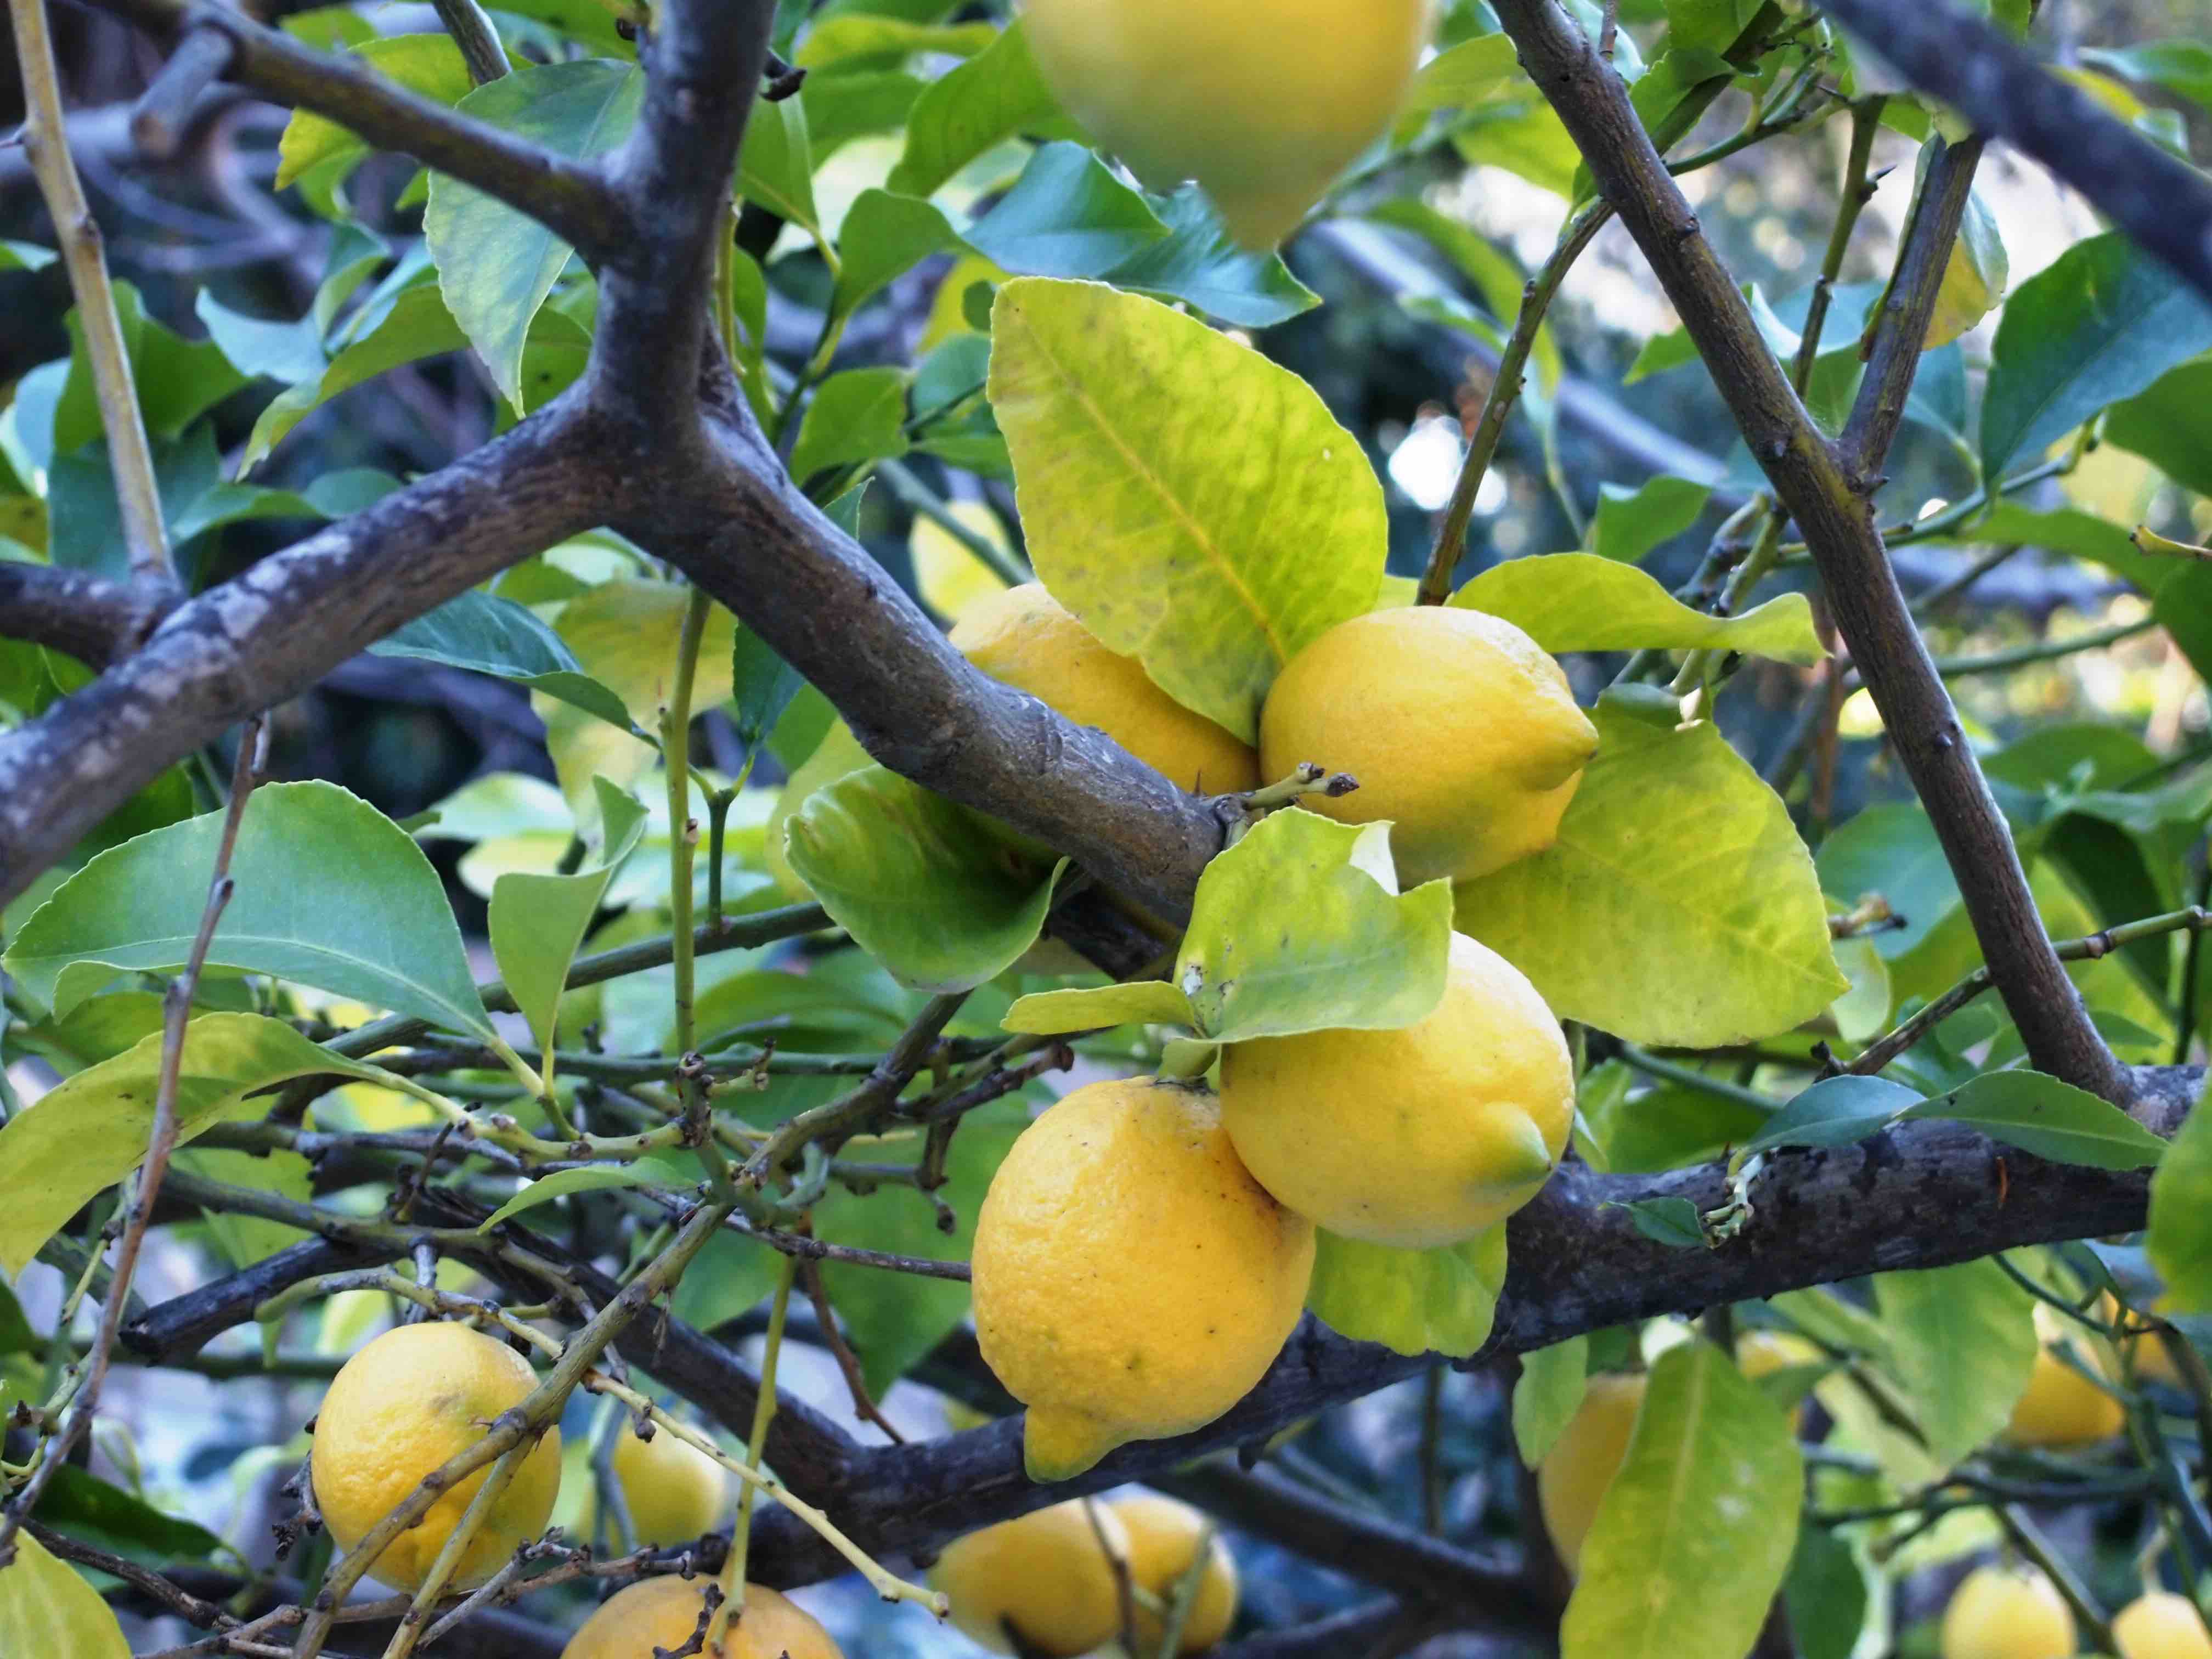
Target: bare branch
[[1996, 84], [1838, 524], [164, 111], [93, 619]]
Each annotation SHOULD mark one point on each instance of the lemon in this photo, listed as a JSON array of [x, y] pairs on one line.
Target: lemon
[[1046, 1574], [1575, 1474], [2006, 1613], [1264, 106], [403, 1405], [1132, 1280], [2062, 1407], [838, 755], [1024, 637], [673, 1491], [1164, 1538], [2161, 1626], [1416, 1137], [663, 1613], [1460, 730]]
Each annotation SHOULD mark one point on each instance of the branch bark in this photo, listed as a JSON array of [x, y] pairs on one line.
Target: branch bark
[[1997, 85], [95, 620], [1810, 479]]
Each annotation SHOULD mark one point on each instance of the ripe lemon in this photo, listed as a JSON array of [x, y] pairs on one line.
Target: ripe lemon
[[1572, 1480], [1264, 106], [2062, 1407], [673, 1491], [1460, 730], [1164, 1538], [1045, 1574], [1025, 637], [409, 1400], [663, 1613], [2161, 1626], [2006, 1613], [1132, 1280], [1416, 1137]]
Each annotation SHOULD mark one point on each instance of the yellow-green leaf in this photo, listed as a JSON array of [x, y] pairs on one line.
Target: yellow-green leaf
[[1439, 1301], [2180, 1240], [428, 65], [1586, 602], [47, 1608], [1196, 505]]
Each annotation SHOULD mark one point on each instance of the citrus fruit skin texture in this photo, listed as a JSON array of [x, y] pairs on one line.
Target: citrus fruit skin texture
[[2001, 1612], [1164, 1538], [1572, 1480], [1263, 106], [673, 1491], [2062, 1407], [1044, 1572], [1460, 730], [1026, 638], [1417, 1137], [2161, 1626], [1132, 1280], [402, 1405], [664, 1612]]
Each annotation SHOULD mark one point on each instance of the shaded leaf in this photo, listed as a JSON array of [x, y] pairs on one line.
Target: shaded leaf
[[1437, 1301], [1964, 1343], [1673, 1222], [1066, 215], [1548, 1396], [2051, 1119], [484, 634], [2180, 1239], [1838, 1111]]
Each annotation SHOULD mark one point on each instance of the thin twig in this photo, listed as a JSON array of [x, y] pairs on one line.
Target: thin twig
[[849, 1363], [474, 33]]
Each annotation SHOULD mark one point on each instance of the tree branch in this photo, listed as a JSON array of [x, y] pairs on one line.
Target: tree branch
[[570, 197], [96, 621], [1836, 520], [1998, 86]]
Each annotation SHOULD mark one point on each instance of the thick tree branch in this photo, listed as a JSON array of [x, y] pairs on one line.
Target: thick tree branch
[[284, 625], [1998, 86], [1838, 524], [569, 197], [96, 621]]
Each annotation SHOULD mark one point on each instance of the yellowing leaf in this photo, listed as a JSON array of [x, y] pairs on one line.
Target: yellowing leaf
[[1974, 281], [47, 1608], [1194, 504], [1439, 1301]]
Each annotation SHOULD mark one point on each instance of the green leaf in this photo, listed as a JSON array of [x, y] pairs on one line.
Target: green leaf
[[1194, 504], [1586, 602], [17, 1336], [2180, 1238], [775, 167], [496, 264], [1358, 955], [1066, 215], [1439, 1301], [2102, 324], [1892, 849], [47, 1607], [993, 96], [418, 326], [87, 1507], [2183, 66], [537, 921], [2169, 426], [428, 65], [1677, 905], [1630, 523], [247, 1239], [1548, 1396], [860, 104], [923, 884], [762, 688], [90, 1130], [1695, 1533], [1674, 1222], [25, 256], [1826, 1595], [894, 1319], [884, 236], [1141, 1002], [1839, 1111], [867, 35], [2051, 1119], [1963, 1343], [1463, 76], [1713, 25], [328, 891], [1198, 264], [657, 1173], [266, 347], [857, 415], [484, 634]]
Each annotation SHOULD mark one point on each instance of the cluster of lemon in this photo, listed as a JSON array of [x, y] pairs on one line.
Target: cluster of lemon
[[2013, 1612], [420, 1393]]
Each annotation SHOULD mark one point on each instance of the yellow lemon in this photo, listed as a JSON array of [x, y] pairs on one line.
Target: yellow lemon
[[2006, 1613], [673, 1491], [1416, 1137], [2161, 1626], [1575, 1474], [838, 755], [1460, 730], [663, 1613], [1264, 106], [1025, 637], [1045, 1573], [1164, 1538], [411, 1399], [2062, 1407], [1132, 1280]]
